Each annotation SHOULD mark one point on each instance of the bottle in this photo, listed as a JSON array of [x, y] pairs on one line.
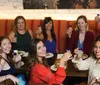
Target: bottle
[[67, 49], [46, 6]]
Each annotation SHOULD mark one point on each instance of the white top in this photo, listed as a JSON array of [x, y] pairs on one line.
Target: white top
[[91, 65]]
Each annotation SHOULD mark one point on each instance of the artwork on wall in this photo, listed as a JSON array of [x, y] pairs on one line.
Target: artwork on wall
[[61, 4], [49, 4], [40, 4]]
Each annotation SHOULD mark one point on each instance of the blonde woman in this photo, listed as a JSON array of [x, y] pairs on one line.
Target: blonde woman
[[81, 37]]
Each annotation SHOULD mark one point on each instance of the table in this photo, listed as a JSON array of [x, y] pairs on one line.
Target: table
[[70, 70], [74, 76]]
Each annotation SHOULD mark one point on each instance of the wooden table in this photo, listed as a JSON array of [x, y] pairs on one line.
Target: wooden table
[[72, 71], [74, 76]]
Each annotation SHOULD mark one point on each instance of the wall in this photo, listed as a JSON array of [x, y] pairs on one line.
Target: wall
[[61, 20], [60, 27], [11, 4], [57, 14]]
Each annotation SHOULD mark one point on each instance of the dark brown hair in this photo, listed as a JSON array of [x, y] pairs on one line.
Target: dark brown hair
[[46, 20], [33, 54], [96, 40], [9, 56]]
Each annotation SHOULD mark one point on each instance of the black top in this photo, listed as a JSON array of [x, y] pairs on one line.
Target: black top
[[23, 42], [9, 71]]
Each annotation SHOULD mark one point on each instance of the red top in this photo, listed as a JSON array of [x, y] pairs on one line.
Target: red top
[[41, 74]]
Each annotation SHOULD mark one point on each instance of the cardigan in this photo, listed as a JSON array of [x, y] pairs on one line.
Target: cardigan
[[72, 43]]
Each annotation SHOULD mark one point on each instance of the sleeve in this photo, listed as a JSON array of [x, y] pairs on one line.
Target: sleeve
[[70, 41], [82, 64], [90, 37], [46, 75]]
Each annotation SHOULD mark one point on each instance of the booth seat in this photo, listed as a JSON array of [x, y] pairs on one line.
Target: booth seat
[[60, 27]]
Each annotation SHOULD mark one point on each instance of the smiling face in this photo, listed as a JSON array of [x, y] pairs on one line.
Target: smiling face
[[41, 49], [81, 24], [48, 26], [20, 24], [97, 49], [6, 46]]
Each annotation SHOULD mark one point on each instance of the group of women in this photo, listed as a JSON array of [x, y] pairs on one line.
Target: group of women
[[21, 38]]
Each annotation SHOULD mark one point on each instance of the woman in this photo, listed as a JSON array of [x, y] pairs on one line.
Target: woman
[[21, 36], [40, 71], [80, 38], [7, 70], [92, 64], [48, 35]]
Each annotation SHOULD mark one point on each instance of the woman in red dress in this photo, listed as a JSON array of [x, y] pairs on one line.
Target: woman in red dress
[[40, 70]]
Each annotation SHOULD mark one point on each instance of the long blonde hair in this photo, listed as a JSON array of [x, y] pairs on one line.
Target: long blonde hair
[[85, 19]]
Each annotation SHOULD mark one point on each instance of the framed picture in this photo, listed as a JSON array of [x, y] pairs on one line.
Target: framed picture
[[49, 4], [61, 4]]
